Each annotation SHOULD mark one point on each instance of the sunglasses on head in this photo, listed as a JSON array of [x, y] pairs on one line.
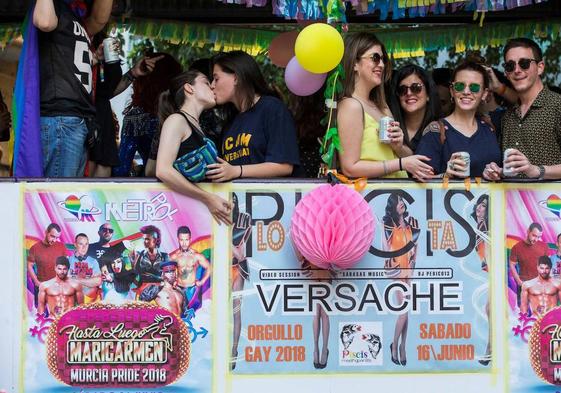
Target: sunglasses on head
[[523, 63], [375, 57], [415, 88], [461, 86]]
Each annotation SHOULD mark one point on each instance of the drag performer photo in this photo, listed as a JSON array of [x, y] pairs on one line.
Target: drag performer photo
[[400, 231], [241, 231], [481, 216]]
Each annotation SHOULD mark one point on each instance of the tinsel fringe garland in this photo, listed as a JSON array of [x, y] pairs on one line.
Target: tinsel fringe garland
[[334, 10]]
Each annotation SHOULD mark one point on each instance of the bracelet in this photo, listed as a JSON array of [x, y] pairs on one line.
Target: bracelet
[[400, 166], [241, 172], [129, 76], [385, 168]]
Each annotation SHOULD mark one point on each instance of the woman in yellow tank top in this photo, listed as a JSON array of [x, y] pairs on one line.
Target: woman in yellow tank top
[[367, 68], [401, 233]]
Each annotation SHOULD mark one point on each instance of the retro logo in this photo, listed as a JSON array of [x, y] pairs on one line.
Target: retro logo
[[82, 208], [134, 345]]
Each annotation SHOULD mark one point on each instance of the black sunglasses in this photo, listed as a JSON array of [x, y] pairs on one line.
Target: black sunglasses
[[110, 230], [415, 88], [459, 87], [523, 63], [375, 57]]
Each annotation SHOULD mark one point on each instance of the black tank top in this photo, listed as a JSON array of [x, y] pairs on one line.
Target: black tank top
[[195, 140], [65, 67]]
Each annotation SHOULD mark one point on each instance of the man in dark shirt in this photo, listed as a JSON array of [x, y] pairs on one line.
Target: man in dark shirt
[[532, 127], [65, 63], [96, 250]]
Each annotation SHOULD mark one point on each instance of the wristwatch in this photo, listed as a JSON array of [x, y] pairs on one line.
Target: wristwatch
[[542, 172]]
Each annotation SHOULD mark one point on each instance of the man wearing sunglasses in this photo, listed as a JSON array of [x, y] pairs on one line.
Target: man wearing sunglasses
[[105, 232], [532, 126]]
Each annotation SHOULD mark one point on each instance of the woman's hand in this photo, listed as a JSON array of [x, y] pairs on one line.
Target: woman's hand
[[220, 209], [416, 166], [396, 136], [492, 172], [456, 166], [222, 171]]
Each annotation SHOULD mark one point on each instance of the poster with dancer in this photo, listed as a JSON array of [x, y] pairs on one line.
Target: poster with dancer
[[533, 273], [117, 290], [417, 301]]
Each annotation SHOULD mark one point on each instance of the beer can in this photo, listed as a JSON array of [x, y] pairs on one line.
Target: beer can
[[508, 171], [383, 131], [464, 155], [110, 51]]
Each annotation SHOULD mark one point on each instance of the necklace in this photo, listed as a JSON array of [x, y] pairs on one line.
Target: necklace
[[195, 121], [191, 116]]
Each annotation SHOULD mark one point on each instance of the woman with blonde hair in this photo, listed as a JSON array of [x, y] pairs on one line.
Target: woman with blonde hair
[[367, 68]]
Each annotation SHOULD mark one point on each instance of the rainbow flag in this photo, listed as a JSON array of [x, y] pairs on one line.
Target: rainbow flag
[[28, 155]]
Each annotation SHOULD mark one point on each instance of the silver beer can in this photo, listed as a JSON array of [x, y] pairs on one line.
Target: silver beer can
[[110, 51], [464, 155], [508, 171], [383, 131]]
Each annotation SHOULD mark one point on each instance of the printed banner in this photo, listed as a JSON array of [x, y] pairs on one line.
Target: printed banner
[[533, 266], [417, 301], [117, 290]]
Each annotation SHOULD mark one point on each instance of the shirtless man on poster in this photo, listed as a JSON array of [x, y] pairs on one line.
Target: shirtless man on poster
[[188, 262], [543, 292], [61, 293], [167, 295]]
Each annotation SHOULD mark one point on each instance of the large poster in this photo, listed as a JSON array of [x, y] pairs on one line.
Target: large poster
[[533, 273], [417, 301], [117, 290]]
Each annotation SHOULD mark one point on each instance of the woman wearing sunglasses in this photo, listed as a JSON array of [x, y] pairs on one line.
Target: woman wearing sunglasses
[[462, 130], [367, 68], [414, 102]]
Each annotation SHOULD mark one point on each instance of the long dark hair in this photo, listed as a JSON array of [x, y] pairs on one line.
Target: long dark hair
[[250, 80], [391, 218], [356, 45], [173, 98], [147, 89], [432, 108], [480, 200]]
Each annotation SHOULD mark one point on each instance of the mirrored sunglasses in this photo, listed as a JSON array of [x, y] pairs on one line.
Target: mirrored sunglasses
[[461, 86]]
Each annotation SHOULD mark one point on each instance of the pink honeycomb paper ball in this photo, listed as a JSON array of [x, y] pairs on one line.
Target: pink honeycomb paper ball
[[332, 227]]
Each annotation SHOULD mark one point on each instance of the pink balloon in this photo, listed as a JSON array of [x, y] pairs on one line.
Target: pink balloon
[[332, 226], [302, 82], [281, 49]]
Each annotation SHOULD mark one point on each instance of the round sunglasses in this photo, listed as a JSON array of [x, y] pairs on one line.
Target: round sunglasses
[[523, 63], [415, 88], [375, 57], [459, 87]]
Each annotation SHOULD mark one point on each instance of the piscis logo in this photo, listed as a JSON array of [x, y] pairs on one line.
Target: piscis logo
[[553, 204], [82, 208], [360, 344]]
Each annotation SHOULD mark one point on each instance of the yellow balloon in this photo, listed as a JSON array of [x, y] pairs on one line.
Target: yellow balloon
[[319, 48]]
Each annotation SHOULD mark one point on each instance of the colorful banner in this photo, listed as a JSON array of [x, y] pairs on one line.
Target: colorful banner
[[117, 290], [533, 272], [416, 302]]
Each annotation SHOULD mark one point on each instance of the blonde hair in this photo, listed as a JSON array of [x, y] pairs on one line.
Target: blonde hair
[[356, 46]]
